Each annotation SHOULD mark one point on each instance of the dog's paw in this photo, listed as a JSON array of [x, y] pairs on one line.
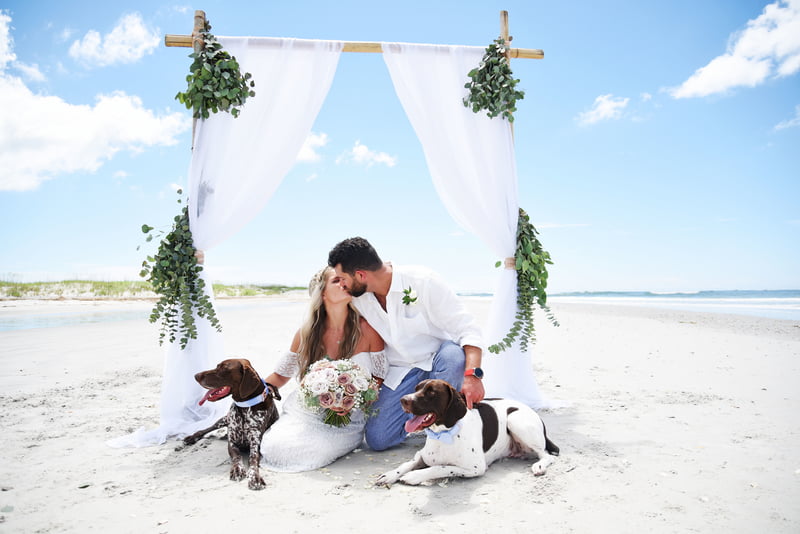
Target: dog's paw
[[237, 473], [413, 478], [256, 482], [390, 477], [538, 470]]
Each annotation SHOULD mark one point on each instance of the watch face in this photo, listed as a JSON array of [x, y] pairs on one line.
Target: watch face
[[477, 372]]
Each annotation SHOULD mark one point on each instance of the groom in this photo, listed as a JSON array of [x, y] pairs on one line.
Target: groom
[[427, 331]]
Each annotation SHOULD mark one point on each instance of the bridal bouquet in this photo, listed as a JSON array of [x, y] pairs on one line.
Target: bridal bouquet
[[336, 388]]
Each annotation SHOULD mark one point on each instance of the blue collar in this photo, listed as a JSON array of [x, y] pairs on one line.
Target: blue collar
[[258, 399], [445, 436]]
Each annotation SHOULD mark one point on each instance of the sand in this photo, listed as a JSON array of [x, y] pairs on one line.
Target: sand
[[677, 422]]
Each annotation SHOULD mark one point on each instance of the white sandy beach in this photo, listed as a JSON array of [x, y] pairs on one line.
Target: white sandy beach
[[678, 422]]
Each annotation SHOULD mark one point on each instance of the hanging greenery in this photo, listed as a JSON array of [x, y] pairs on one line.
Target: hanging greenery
[[492, 88], [531, 265], [174, 274], [215, 83]]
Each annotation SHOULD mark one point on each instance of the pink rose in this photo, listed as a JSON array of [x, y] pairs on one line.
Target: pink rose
[[350, 389], [348, 403], [344, 378], [326, 400]]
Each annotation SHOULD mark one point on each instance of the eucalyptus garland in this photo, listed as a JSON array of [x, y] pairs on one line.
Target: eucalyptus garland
[[174, 274], [531, 265], [215, 83], [492, 85]]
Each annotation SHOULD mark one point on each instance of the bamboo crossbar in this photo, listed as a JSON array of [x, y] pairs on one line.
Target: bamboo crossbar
[[185, 41]]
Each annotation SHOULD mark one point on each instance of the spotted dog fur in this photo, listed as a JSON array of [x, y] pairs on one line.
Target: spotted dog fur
[[246, 426], [494, 429]]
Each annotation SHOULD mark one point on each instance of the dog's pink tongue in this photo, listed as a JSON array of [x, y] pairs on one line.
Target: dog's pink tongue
[[205, 397], [413, 424], [215, 394]]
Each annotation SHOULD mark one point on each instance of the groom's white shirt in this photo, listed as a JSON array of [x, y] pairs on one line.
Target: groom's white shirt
[[413, 332]]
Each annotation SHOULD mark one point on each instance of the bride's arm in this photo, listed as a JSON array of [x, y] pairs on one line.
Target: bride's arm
[[286, 364]]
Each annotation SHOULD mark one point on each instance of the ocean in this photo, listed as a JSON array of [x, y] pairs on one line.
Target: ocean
[[774, 304]]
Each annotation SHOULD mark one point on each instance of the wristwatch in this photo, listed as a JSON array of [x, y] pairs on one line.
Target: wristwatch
[[477, 372]]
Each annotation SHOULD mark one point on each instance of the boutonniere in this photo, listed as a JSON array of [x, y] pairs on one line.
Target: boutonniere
[[409, 296]]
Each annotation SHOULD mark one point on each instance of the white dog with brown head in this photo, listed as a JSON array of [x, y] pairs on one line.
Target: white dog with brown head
[[462, 442]]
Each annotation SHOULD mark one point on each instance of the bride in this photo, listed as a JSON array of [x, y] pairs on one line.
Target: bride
[[300, 440]]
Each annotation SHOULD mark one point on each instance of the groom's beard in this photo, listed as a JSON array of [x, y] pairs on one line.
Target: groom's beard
[[358, 289]]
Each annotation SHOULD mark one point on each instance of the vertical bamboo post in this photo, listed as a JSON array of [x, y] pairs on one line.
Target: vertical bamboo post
[[507, 42], [197, 45]]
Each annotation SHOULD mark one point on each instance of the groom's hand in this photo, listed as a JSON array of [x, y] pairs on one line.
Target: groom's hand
[[472, 388]]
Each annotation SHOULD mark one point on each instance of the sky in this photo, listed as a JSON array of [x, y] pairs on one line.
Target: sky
[[658, 143]]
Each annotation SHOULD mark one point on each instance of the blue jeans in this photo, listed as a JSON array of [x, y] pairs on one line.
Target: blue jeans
[[386, 428]]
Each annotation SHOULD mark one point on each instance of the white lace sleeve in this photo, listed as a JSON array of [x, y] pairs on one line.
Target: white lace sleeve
[[288, 365], [380, 365]]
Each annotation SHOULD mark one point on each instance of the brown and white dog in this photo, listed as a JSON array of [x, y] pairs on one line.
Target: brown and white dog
[[253, 411], [462, 442]]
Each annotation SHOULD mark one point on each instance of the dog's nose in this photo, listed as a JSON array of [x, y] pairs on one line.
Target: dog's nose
[[405, 402]]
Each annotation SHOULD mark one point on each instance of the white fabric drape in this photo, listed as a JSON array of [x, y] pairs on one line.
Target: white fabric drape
[[237, 164], [472, 163]]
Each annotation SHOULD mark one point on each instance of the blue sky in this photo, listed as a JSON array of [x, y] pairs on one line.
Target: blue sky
[[658, 144]]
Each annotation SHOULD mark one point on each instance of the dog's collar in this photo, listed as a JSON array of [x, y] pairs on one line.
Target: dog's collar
[[258, 399], [445, 436]]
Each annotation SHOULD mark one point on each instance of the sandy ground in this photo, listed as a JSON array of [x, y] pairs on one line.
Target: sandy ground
[[678, 422]]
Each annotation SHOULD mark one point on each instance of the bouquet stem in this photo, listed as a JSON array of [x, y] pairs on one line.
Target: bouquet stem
[[336, 419]]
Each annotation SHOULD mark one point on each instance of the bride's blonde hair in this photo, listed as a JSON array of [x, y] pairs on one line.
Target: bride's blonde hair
[[312, 349]]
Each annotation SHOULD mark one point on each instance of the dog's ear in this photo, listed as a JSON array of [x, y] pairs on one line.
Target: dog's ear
[[456, 407], [251, 383]]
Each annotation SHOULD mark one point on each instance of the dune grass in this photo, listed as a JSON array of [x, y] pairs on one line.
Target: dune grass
[[94, 289]]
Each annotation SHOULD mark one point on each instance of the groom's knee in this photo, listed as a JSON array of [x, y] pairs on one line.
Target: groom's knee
[[379, 438]]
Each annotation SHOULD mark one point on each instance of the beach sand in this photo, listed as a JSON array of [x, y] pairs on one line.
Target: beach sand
[[677, 422]]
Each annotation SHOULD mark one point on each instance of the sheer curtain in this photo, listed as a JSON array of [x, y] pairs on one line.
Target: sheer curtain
[[237, 164], [472, 163]]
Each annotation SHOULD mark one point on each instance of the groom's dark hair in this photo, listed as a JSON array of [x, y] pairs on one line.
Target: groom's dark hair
[[354, 254]]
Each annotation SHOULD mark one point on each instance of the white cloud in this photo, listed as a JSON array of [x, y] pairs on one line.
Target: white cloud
[[29, 72], [768, 46], [6, 41], [309, 150], [66, 34], [43, 136], [129, 41], [362, 155], [606, 107], [790, 123]]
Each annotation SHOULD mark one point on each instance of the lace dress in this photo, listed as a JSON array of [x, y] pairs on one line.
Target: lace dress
[[300, 440]]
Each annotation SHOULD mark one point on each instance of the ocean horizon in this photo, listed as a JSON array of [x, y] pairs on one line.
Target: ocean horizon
[[769, 303]]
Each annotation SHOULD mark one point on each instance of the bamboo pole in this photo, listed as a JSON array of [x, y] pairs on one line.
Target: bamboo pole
[[197, 44], [185, 41], [507, 41]]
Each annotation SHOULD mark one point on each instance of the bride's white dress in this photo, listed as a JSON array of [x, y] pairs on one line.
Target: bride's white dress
[[300, 440]]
